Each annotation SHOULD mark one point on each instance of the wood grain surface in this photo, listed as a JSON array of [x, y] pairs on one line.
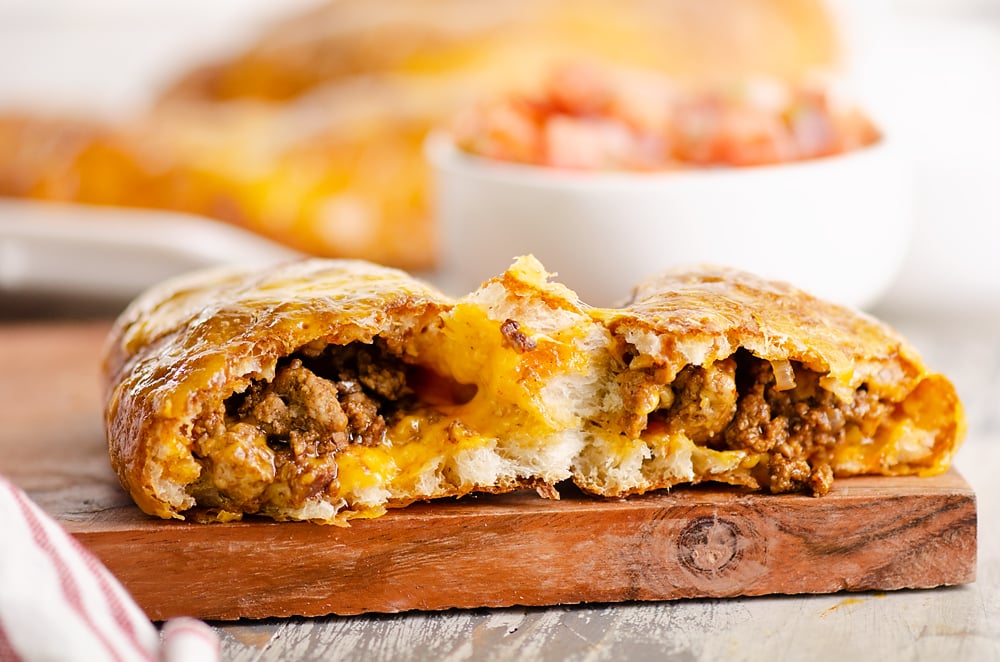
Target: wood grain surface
[[867, 534]]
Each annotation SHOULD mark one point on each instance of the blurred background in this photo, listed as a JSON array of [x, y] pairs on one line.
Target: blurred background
[[299, 124]]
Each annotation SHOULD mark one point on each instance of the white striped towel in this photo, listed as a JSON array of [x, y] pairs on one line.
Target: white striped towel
[[58, 602]]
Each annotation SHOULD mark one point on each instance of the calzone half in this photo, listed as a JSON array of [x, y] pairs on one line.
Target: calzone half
[[330, 390]]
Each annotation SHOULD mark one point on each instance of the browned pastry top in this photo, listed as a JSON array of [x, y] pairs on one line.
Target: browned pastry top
[[327, 390]]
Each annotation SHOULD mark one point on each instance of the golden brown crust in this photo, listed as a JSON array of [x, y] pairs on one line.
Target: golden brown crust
[[180, 350], [704, 316], [528, 387], [712, 40], [338, 173]]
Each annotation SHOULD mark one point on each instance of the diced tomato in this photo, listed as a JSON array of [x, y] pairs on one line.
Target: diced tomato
[[591, 119]]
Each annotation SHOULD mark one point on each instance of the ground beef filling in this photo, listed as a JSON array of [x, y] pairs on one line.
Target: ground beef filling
[[286, 432], [736, 404], [334, 402]]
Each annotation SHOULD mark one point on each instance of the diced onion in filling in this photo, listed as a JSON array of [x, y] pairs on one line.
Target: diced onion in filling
[[784, 375]]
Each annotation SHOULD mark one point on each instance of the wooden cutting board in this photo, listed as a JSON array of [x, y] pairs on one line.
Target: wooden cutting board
[[518, 549]]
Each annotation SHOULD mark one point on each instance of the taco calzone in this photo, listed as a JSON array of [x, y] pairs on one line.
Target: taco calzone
[[330, 390], [721, 375]]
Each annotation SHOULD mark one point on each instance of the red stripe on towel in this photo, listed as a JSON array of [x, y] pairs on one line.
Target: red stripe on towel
[[113, 596], [67, 581], [7, 651], [187, 626]]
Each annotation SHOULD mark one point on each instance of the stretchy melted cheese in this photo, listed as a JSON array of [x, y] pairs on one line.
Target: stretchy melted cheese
[[331, 390]]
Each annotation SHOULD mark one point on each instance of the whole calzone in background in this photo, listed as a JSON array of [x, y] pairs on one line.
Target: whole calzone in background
[[312, 135]]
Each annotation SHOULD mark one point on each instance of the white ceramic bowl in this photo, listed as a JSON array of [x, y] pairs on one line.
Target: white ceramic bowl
[[837, 227]]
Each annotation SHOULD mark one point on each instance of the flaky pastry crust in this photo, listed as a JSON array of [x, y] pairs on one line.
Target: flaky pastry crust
[[329, 390]]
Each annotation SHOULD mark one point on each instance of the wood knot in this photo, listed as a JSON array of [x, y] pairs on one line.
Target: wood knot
[[709, 545]]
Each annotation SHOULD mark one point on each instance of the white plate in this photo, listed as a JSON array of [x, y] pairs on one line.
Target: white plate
[[112, 254]]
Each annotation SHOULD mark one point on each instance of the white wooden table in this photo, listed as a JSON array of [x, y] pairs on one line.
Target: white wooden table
[[957, 623]]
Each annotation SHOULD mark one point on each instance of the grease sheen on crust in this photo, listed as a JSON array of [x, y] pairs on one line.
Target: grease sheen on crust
[[546, 406]]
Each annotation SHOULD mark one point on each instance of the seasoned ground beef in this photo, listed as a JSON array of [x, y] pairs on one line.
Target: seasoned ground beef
[[797, 427], [699, 402], [333, 402], [736, 404], [704, 400], [641, 395], [298, 408], [515, 338], [321, 400]]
